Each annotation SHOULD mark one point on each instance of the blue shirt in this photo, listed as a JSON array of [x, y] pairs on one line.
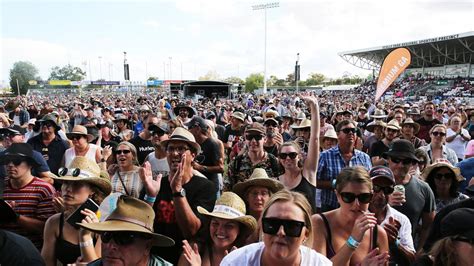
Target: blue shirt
[[467, 171], [330, 165]]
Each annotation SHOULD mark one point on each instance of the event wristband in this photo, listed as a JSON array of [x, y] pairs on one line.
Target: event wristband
[[352, 243], [87, 243], [333, 183], [149, 199]]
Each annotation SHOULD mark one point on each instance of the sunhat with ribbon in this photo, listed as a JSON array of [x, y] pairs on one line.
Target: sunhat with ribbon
[[230, 206], [304, 124], [457, 172], [181, 134], [79, 130], [409, 121], [131, 215], [259, 178], [84, 170]]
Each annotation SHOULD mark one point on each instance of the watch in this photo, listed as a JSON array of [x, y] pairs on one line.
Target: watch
[[181, 193]]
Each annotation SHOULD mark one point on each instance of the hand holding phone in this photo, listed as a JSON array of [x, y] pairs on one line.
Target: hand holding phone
[[77, 216]]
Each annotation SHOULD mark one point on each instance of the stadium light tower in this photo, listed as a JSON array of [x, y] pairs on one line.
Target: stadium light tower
[[265, 7]]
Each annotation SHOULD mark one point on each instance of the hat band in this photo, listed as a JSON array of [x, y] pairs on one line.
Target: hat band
[[131, 220], [179, 137], [228, 210]]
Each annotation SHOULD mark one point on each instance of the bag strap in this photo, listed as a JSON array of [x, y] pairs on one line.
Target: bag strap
[[123, 183]]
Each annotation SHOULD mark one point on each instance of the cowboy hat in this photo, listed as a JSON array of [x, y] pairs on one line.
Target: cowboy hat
[[379, 114], [181, 134], [258, 178], [377, 123], [85, 170], [19, 150], [457, 172], [409, 121], [79, 130], [231, 207], [393, 124], [330, 133], [304, 124], [131, 215], [183, 106]]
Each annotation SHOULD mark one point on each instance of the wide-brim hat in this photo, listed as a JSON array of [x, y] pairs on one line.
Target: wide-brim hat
[[370, 127], [259, 178], [393, 124], [409, 121], [270, 113], [182, 134], [120, 117], [89, 172], [231, 207], [304, 124], [457, 172], [239, 115], [79, 130], [379, 114], [191, 111], [401, 148], [132, 215], [53, 119], [330, 133], [19, 150]]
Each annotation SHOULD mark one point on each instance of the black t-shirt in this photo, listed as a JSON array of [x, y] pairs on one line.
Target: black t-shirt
[[144, 147], [220, 129], [199, 192], [362, 123], [231, 135], [378, 148], [209, 156]]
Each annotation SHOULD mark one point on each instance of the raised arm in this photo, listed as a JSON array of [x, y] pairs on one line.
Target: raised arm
[[311, 163]]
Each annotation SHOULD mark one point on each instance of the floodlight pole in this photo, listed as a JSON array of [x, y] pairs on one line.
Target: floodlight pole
[[265, 7]]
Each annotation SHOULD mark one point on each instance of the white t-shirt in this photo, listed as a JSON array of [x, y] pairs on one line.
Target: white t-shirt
[[252, 254], [404, 233], [158, 166], [458, 145]]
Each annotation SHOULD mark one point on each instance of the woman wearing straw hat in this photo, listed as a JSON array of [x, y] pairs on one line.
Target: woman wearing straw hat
[[409, 129], [81, 181], [444, 180], [81, 147], [228, 229]]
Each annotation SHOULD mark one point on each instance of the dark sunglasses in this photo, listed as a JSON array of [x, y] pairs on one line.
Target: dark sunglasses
[[158, 133], [404, 161], [251, 137], [122, 238], [76, 137], [118, 152], [72, 171], [386, 190], [349, 197], [348, 130], [292, 228], [437, 133], [292, 155], [392, 130], [445, 176], [14, 161]]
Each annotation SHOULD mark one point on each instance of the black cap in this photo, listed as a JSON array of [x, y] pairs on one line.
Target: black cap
[[197, 121], [401, 149], [458, 222]]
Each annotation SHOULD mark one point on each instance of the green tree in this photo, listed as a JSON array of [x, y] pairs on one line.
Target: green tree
[[67, 72], [290, 79], [253, 81], [234, 80], [22, 71], [315, 79]]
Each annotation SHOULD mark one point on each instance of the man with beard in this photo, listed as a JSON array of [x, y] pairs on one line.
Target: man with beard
[[157, 159], [184, 112], [142, 142], [395, 223], [427, 122]]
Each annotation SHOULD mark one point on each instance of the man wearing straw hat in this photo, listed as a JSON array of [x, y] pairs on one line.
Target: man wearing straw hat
[[127, 235]]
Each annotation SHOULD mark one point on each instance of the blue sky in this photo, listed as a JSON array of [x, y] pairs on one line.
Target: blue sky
[[221, 36]]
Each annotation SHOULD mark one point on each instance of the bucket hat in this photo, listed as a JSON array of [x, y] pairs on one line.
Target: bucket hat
[[401, 149], [259, 178], [19, 150], [181, 134], [379, 114], [85, 170], [409, 121], [180, 106], [131, 215], [239, 115], [53, 119], [457, 172], [79, 130]]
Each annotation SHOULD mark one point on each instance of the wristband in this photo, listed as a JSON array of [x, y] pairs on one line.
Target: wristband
[[87, 243], [333, 183], [352, 243], [149, 199]]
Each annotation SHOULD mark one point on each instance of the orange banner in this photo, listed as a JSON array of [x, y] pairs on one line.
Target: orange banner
[[392, 67]]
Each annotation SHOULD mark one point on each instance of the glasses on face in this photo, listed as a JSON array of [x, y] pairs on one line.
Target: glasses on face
[[438, 133], [118, 152], [292, 228], [446, 176], [292, 155], [348, 130], [251, 137], [76, 137], [386, 190], [349, 197], [14, 161], [180, 149], [122, 238], [404, 161]]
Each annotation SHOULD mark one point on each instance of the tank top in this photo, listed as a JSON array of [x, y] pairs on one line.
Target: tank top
[[70, 154], [65, 251], [329, 248], [308, 190]]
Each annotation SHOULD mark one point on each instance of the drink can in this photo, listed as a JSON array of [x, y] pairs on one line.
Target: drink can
[[400, 188]]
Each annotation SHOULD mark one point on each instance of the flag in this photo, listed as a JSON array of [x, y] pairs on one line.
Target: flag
[[392, 67]]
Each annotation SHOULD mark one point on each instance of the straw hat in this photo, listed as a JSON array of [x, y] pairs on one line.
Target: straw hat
[[457, 172], [181, 134], [239, 115], [331, 134], [304, 124], [393, 124], [258, 178], [85, 170], [378, 113], [132, 215], [79, 130], [370, 127], [409, 121], [270, 113], [231, 207]]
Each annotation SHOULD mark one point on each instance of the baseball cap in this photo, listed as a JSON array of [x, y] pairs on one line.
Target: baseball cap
[[197, 121], [256, 128], [378, 172]]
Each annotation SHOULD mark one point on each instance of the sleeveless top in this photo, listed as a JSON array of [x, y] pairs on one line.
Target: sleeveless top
[[65, 251], [71, 153], [329, 248], [307, 189]]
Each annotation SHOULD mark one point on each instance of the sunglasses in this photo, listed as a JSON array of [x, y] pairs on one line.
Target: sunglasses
[[76, 137], [14, 161], [251, 137], [271, 125], [404, 161], [349, 197], [180, 150], [392, 130], [118, 152], [122, 238], [386, 190], [437, 133], [72, 171], [292, 228], [292, 155], [158, 133], [348, 130], [445, 176]]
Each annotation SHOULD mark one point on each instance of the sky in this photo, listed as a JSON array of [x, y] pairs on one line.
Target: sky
[[185, 39]]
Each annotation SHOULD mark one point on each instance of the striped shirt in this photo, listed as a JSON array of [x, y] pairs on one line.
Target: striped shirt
[[330, 165], [34, 200], [132, 182]]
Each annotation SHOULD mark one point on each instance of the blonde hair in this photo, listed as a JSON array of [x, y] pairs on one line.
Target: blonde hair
[[438, 125], [301, 202], [132, 149], [356, 174], [444, 252]]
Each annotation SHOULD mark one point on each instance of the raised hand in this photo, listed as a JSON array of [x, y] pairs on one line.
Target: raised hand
[[90, 217], [152, 187], [397, 198], [176, 182], [106, 152], [392, 228], [191, 254]]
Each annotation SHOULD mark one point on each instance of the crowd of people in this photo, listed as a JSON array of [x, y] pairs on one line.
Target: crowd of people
[[282, 179]]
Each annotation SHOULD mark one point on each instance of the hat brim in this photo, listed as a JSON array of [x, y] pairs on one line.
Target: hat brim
[[190, 110], [371, 128], [272, 184], [238, 117], [56, 126], [404, 155], [103, 185], [383, 177], [427, 171], [88, 136], [196, 146], [7, 157], [247, 220], [118, 226], [415, 125]]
